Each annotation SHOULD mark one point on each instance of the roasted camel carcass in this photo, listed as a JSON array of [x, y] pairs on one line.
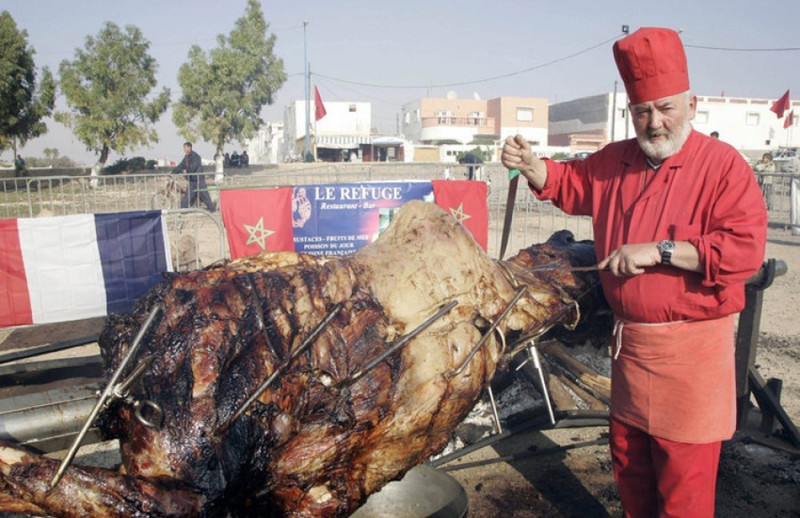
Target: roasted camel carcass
[[275, 391]]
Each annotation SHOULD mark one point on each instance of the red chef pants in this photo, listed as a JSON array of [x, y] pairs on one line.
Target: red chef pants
[[661, 478]]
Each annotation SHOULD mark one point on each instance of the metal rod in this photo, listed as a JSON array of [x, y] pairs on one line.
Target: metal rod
[[533, 353], [107, 392], [488, 333], [46, 348], [397, 345], [526, 455], [264, 386], [494, 409], [121, 389]]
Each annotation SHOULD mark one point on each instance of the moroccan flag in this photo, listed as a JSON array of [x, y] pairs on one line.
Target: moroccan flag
[[74, 267], [257, 220], [319, 108], [781, 105], [466, 201], [789, 120]]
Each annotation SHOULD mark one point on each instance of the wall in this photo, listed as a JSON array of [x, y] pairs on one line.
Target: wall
[[745, 123]]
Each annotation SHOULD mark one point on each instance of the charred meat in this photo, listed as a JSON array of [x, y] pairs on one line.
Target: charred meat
[[329, 428]]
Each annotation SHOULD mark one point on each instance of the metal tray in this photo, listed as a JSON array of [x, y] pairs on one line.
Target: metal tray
[[423, 493]]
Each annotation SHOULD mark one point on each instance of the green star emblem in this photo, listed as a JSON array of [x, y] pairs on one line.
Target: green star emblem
[[258, 234], [459, 213]]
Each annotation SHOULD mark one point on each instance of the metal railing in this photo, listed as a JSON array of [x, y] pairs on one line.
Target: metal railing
[[202, 234]]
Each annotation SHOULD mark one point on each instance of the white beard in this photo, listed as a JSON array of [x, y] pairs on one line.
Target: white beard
[[662, 150]]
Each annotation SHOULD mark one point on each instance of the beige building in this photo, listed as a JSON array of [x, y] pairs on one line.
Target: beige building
[[453, 120]]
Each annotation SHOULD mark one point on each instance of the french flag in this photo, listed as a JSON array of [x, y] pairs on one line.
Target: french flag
[[65, 268]]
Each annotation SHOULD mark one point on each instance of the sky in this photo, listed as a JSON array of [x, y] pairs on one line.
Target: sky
[[392, 53]]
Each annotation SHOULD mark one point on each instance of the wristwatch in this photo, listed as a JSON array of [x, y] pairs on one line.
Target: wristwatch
[[666, 248]]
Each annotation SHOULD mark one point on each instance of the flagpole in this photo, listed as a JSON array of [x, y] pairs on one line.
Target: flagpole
[[305, 77]]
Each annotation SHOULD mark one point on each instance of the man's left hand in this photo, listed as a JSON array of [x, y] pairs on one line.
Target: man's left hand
[[630, 260]]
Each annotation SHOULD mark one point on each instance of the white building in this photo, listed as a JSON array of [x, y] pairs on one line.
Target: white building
[[265, 147], [345, 126], [589, 123]]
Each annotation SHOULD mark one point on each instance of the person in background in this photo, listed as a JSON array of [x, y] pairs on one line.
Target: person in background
[[714, 134], [19, 166], [679, 225], [192, 167], [764, 169]]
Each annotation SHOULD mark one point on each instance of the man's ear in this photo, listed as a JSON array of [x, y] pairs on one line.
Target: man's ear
[[692, 106]]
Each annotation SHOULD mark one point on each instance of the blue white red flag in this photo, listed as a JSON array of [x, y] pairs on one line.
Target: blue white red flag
[[73, 267]]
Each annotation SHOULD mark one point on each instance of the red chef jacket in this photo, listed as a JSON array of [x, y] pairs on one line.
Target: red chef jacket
[[666, 381], [705, 194]]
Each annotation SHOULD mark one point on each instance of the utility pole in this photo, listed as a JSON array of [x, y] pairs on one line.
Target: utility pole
[[305, 76], [614, 114]]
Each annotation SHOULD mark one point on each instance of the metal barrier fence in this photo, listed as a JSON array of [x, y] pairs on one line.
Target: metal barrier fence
[[197, 236]]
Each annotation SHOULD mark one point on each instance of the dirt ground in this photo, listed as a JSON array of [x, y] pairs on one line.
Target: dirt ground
[[566, 472]]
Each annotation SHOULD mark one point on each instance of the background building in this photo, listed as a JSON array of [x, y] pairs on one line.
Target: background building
[[465, 121], [335, 137], [589, 123]]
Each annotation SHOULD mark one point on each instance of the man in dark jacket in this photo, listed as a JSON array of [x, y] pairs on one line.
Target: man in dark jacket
[[190, 164]]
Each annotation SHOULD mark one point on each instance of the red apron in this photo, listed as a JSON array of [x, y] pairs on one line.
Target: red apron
[[676, 380]]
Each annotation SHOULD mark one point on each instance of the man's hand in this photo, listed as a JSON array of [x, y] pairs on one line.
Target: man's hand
[[517, 155], [629, 260]]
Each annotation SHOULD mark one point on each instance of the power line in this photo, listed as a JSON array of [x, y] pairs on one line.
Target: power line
[[475, 81], [732, 49]]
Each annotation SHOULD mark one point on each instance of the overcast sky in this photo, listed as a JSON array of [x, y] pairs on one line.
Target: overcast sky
[[390, 53]]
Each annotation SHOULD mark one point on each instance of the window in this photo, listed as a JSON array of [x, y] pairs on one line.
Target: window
[[701, 117], [753, 118], [477, 118], [407, 117], [445, 116], [525, 114]]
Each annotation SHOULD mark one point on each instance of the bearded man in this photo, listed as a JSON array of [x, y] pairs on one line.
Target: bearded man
[[680, 225]]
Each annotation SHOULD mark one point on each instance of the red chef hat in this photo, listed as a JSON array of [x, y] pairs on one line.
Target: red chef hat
[[652, 64]]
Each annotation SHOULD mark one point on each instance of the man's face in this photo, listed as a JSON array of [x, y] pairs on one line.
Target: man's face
[[662, 126], [187, 149]]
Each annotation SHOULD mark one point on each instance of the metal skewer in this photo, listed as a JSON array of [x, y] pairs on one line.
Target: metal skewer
[[107, 393], [400, 343], [494, 409], [488, 333], [271, 379], [533, 354]]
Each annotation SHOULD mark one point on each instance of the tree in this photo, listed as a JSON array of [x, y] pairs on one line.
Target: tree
[[224, 90], [24, 102], [107, 87]]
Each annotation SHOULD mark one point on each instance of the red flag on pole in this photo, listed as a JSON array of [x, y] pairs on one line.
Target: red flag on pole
[[257, 220], [465, 200], [319, 110], [789, 120], [781, 105]]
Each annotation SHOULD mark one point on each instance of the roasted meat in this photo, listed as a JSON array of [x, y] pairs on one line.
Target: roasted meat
[[329, 429]]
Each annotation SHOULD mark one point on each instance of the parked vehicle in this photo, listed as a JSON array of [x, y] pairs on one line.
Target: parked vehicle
[[787, 160]]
